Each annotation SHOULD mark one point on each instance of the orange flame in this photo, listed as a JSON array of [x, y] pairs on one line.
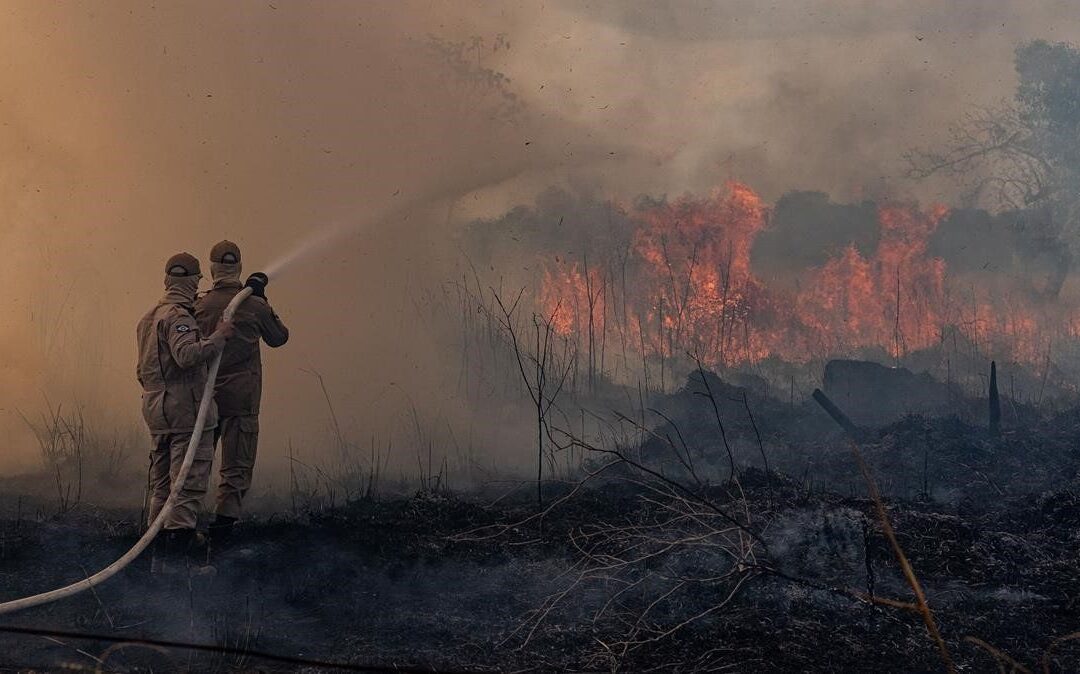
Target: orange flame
[[692, 290]]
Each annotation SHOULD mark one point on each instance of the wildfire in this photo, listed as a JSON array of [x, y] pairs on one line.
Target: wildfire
[[894, 299], [688, 286]]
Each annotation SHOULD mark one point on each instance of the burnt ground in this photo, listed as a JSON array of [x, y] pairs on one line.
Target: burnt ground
[[990, 525]]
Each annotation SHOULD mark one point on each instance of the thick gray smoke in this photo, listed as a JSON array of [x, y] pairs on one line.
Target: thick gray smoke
[[131, 131]]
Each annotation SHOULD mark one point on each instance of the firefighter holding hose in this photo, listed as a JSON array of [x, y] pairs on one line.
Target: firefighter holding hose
[[239, 382], [172, 369], [177, 370]]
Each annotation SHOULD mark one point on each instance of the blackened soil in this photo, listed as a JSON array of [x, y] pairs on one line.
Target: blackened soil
[[448, 582]]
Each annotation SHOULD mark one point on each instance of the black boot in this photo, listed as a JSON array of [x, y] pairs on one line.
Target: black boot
[[222, 538], [220, 533], [221, 529], [170, 551], [180, 551]]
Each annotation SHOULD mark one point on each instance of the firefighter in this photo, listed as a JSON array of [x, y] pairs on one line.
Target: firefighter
[[239, 382], [172, 370]]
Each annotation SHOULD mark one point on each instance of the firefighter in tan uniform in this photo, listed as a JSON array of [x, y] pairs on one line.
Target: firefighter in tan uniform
[[172, 369], [239, 382]]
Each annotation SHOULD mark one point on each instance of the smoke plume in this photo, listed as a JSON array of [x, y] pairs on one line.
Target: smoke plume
[[132, 131]]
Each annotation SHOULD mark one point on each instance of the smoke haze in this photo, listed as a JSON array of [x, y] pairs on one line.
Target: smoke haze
[[132, 131]]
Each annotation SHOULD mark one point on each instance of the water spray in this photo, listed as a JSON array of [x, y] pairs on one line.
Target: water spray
[[159, 521], [323, 239], [305, 248]]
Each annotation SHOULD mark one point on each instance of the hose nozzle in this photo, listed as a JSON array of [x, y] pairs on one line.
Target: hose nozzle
[[257, 282]]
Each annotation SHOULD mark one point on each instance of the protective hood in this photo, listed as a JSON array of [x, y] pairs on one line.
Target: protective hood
[[181, 290], [225, 274]]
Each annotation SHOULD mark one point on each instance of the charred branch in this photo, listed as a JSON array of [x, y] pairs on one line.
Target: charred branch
[[836, 413], [995, 402]]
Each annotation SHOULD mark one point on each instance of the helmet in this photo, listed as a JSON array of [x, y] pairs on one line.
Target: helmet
[[182, 264], [225, 251]]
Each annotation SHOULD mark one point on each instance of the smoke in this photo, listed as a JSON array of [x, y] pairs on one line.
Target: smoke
[[137, 131], [825, 95], [132, 131]]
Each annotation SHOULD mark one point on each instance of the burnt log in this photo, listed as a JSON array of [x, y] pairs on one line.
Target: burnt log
[[836, 413]]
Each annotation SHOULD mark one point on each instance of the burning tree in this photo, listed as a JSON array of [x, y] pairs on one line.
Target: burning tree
[[641, 289]]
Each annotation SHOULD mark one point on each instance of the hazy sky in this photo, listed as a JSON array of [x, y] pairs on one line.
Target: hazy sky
[[130, 131]]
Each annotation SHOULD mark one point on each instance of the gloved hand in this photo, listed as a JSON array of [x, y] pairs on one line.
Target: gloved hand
[[257, 282]]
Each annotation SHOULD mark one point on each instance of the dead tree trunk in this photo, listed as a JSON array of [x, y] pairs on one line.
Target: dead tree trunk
[[995, 402]]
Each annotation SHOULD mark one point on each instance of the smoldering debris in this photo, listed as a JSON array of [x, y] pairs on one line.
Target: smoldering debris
[[718, 508], [452, 581], [878, 394]]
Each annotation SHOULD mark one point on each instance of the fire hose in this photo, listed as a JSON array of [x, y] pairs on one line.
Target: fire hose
[[159, 521]]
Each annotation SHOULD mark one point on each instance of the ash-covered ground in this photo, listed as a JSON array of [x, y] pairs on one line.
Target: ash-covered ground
[[654, 560]]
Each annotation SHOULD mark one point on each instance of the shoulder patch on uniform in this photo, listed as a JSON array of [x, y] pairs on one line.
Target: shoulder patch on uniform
[[183, 328]]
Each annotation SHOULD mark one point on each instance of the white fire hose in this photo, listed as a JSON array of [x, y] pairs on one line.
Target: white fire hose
[[159, 521]]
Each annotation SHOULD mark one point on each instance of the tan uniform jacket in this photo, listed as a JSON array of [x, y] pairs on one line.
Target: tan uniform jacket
[[172, 368], [239, 383]]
